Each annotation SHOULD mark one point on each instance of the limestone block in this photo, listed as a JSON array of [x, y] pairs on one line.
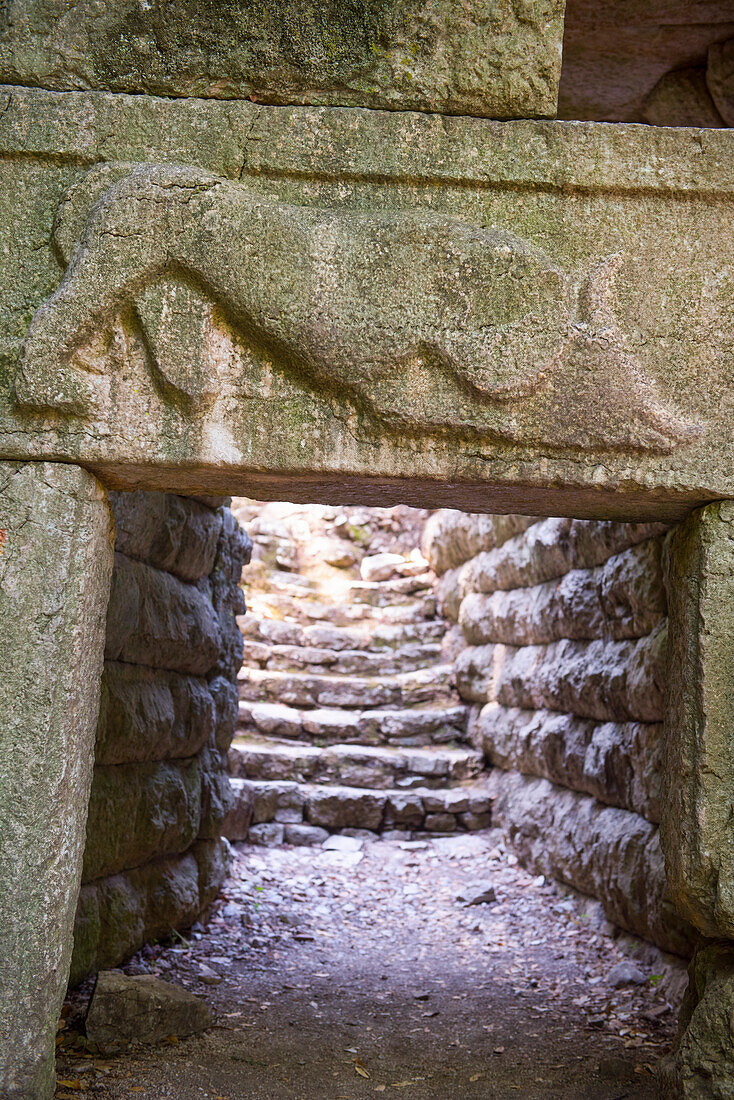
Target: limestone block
[[55, 567], [550, 549], [115, 916], [624, 598], [154, 619], [138, 811], [611, 854], [405, 809], [236, 824], [720, 78], [448, 594], [477, 670], [609, 681], [451, 537], [617, 763], [495, 59], [226, 707], [699, 743], [141, 1009], [702, 1065], [168, 532], [345, 807], [217, 796], [152, 714], [682, 98]]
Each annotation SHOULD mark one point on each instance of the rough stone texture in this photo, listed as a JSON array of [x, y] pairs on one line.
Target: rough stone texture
[[682, 98], [702, 1066], [617, 763], [720, 78], [550, 549], [156, 620], [55, 567], [699, 749], [116, 915], [624, 598], [501, 59], [559, 396], [160, 791], [450, 537], [615, 53], [141, 1009], [170, 533], [610, 681], [606, 852]]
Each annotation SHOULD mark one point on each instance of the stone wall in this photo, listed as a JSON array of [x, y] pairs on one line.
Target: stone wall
[[560, 644], [153, 857]]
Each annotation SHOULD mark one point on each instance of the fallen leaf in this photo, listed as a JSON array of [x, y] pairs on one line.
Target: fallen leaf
[[76, 1084], [361, 1071], [475, 1077]]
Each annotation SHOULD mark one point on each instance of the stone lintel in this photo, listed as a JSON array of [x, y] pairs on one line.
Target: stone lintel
[[330, 317]]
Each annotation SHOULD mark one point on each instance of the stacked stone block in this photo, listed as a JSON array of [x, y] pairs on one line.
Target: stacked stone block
[[154, 858], [561, 640]]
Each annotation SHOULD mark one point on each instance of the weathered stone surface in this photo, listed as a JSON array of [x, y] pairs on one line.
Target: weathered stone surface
[[216, 794], [608, 428], [550, 549], [154, 619], [116, 915], [236, 824], [141, 1009], [624, 598], [477, 670], [698, 775], [682, 98], [609, 681], [451, 537], [341, 807], [55, 567], [498, 59], [448, 594], [151, 714], [702, 1066], [720, 78], [138, 811], [609, 853], [616, 763], [168, 532]]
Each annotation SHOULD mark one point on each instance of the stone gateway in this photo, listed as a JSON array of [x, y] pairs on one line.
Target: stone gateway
[[351, 253]]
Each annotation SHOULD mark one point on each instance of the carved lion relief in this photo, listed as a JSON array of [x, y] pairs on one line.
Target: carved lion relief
[[426, 322]]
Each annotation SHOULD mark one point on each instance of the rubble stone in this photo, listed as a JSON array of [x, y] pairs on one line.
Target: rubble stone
[[141, 1009]]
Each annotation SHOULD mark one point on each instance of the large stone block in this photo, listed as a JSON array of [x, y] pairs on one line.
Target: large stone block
[[611, 854], [609, 681], [624, 598], [168, 532], [151, 714], [155, 619], [141, 811], [498, 59], [617, 763], [698, 788], [55, 567], [451, 537], [180, 347], [550, 549], [115, 916]]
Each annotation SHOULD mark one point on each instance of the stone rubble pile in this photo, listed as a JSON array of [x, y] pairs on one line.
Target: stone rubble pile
[[349, 719], [560, 637]]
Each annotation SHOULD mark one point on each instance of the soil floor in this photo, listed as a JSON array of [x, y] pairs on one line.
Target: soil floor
[[343, 975]]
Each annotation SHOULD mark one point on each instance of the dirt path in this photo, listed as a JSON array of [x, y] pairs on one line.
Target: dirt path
[[325, 967]]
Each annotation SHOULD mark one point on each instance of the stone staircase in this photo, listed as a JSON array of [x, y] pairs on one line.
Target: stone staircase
[[349, 720]]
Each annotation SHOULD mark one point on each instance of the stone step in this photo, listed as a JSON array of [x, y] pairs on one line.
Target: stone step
[[306, 689], [306, 609], [287, 812], [413, 727], [372, 637], [385, 593], [376, 767], [292, 658]]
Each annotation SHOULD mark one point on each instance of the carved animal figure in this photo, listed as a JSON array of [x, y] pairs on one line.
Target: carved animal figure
[[348, 299]]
